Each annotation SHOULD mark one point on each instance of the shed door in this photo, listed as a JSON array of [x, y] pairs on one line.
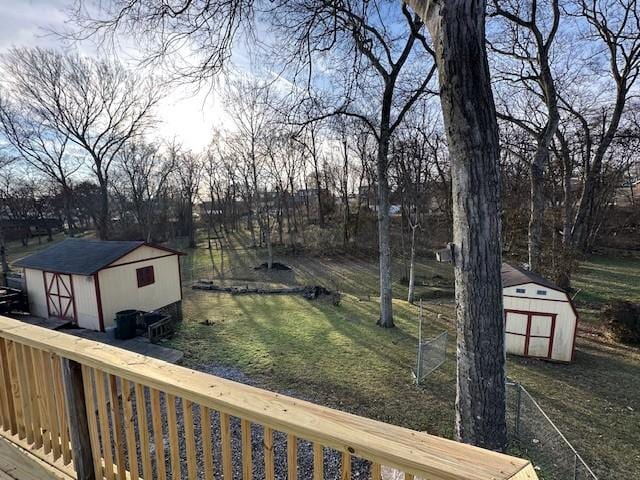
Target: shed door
[[529, 333], [59, 290]]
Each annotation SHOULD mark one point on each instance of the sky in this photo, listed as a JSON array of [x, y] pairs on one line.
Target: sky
[[184, 114]]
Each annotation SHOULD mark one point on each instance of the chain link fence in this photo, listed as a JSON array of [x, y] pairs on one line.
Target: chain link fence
[[533, 435], [431, 352]]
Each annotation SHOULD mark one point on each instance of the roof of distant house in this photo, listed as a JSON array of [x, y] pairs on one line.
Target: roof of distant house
[[82, 257], [512, 276]]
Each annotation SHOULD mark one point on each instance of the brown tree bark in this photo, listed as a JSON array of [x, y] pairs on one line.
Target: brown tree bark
[[457, 28]]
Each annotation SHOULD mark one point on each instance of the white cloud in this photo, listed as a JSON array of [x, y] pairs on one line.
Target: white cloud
[[187, 115]]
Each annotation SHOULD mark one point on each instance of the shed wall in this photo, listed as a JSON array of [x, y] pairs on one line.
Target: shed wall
[[36, 292], [143, 252], [119, 286], [565, 320], [531, 290], [84, 290]]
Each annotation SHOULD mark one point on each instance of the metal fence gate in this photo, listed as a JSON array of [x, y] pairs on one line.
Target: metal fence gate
[[431, 352]]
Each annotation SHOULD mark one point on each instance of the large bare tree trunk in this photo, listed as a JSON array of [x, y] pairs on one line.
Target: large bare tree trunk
[[384, 236], [458, 31], [536, 217]]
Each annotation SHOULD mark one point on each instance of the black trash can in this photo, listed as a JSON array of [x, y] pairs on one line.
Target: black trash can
[[126, 321]]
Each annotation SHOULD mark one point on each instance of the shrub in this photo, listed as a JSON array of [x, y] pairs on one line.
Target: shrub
[[623, 320]]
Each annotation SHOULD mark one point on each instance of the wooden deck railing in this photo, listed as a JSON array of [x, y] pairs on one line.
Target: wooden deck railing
[[96, 411]]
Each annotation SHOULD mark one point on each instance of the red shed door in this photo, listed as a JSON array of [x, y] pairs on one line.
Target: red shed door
[[529, 333], [59, 290]]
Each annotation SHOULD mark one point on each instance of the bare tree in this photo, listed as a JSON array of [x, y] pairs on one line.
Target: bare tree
[[372, 51], [144, 171], [96, 104], [527, 39], [457, 28], [188, 174], [614, 26], [45, 150]]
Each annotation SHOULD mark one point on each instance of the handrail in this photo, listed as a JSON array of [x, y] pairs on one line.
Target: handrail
[[411, 452]]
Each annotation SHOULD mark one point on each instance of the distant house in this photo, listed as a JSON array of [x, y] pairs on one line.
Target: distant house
[[88, 281], [628, 194], [540, 318]]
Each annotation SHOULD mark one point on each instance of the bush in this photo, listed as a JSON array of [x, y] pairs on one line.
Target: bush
[[623, 321]]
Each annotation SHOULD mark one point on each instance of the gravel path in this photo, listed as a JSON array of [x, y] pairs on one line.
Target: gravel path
[[332, 458]]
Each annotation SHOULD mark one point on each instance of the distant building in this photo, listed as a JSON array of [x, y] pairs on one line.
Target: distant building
[[540, 318], [88, 281]]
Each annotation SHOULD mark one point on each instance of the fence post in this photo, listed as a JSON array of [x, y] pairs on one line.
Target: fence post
[[77, 416], [575, 467], [419, 366], [518, 404]]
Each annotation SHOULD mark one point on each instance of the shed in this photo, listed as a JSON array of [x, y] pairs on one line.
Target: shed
[[88, 281], [540, 318]]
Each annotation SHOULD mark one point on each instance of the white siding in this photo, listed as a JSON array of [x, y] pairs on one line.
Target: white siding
[[84, 291], [141, 253], [36, 292], [119, 285], [531, 290], [554, 302]]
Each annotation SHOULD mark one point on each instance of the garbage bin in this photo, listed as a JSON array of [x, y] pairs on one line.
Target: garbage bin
[[126, 324]]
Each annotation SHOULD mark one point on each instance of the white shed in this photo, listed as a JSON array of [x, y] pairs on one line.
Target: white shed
[[88, 281], [540, 318]]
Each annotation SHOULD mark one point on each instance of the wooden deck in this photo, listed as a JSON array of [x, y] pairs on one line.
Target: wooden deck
[[137, 345], [49, 323], [19, 464]]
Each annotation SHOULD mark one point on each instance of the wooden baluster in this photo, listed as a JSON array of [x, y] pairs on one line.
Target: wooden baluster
[[225, 439], [207, 442], [15, 388], [346, 466], [116, 422], [158, 437], [36, 422], [189, 439], [92, 420], [247, 462], [269, 470], [44, 391], [82, 444], [103, 418], [292, 457], [174, 441], [6, 390], [47, 360], [318, 462], [23, 386], [376, 471], [143, 431], [130, 432], [63, 421]]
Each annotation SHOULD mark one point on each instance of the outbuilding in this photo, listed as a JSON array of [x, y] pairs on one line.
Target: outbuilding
[[540, 318], [88, 281]]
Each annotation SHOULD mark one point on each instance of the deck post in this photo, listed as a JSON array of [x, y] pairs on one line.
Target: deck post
[[77, 416]]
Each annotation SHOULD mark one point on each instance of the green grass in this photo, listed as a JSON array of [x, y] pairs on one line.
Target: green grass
[[322, 352], [601, 279]]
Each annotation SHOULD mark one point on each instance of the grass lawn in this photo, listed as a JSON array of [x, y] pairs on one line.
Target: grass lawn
[[338, 357]]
